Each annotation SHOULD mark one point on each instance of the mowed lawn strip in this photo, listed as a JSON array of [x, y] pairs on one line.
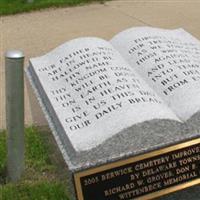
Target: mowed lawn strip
[[17, 6]]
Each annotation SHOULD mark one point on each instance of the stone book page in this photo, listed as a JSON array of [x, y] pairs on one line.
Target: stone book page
[[169, 61], [94, 92]]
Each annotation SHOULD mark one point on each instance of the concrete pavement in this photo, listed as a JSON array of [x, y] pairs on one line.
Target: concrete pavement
[[38, 32]]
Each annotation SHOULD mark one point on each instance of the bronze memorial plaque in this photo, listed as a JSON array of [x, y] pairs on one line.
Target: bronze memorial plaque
[[143, 177]]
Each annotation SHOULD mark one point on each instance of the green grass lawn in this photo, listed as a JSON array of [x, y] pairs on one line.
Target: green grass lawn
[[18, 6], [45, 174]]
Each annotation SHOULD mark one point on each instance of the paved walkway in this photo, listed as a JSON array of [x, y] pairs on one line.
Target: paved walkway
[[38, 32]]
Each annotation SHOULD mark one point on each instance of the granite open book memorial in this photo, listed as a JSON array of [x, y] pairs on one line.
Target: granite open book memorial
[[124, 112]]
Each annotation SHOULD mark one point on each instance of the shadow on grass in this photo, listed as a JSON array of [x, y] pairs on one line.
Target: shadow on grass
[[2, 157]]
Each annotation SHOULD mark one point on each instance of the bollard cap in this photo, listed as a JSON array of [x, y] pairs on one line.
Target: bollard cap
[[14, 54]]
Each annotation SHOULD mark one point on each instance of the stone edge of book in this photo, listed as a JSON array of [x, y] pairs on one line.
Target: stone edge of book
[[68, 151]]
